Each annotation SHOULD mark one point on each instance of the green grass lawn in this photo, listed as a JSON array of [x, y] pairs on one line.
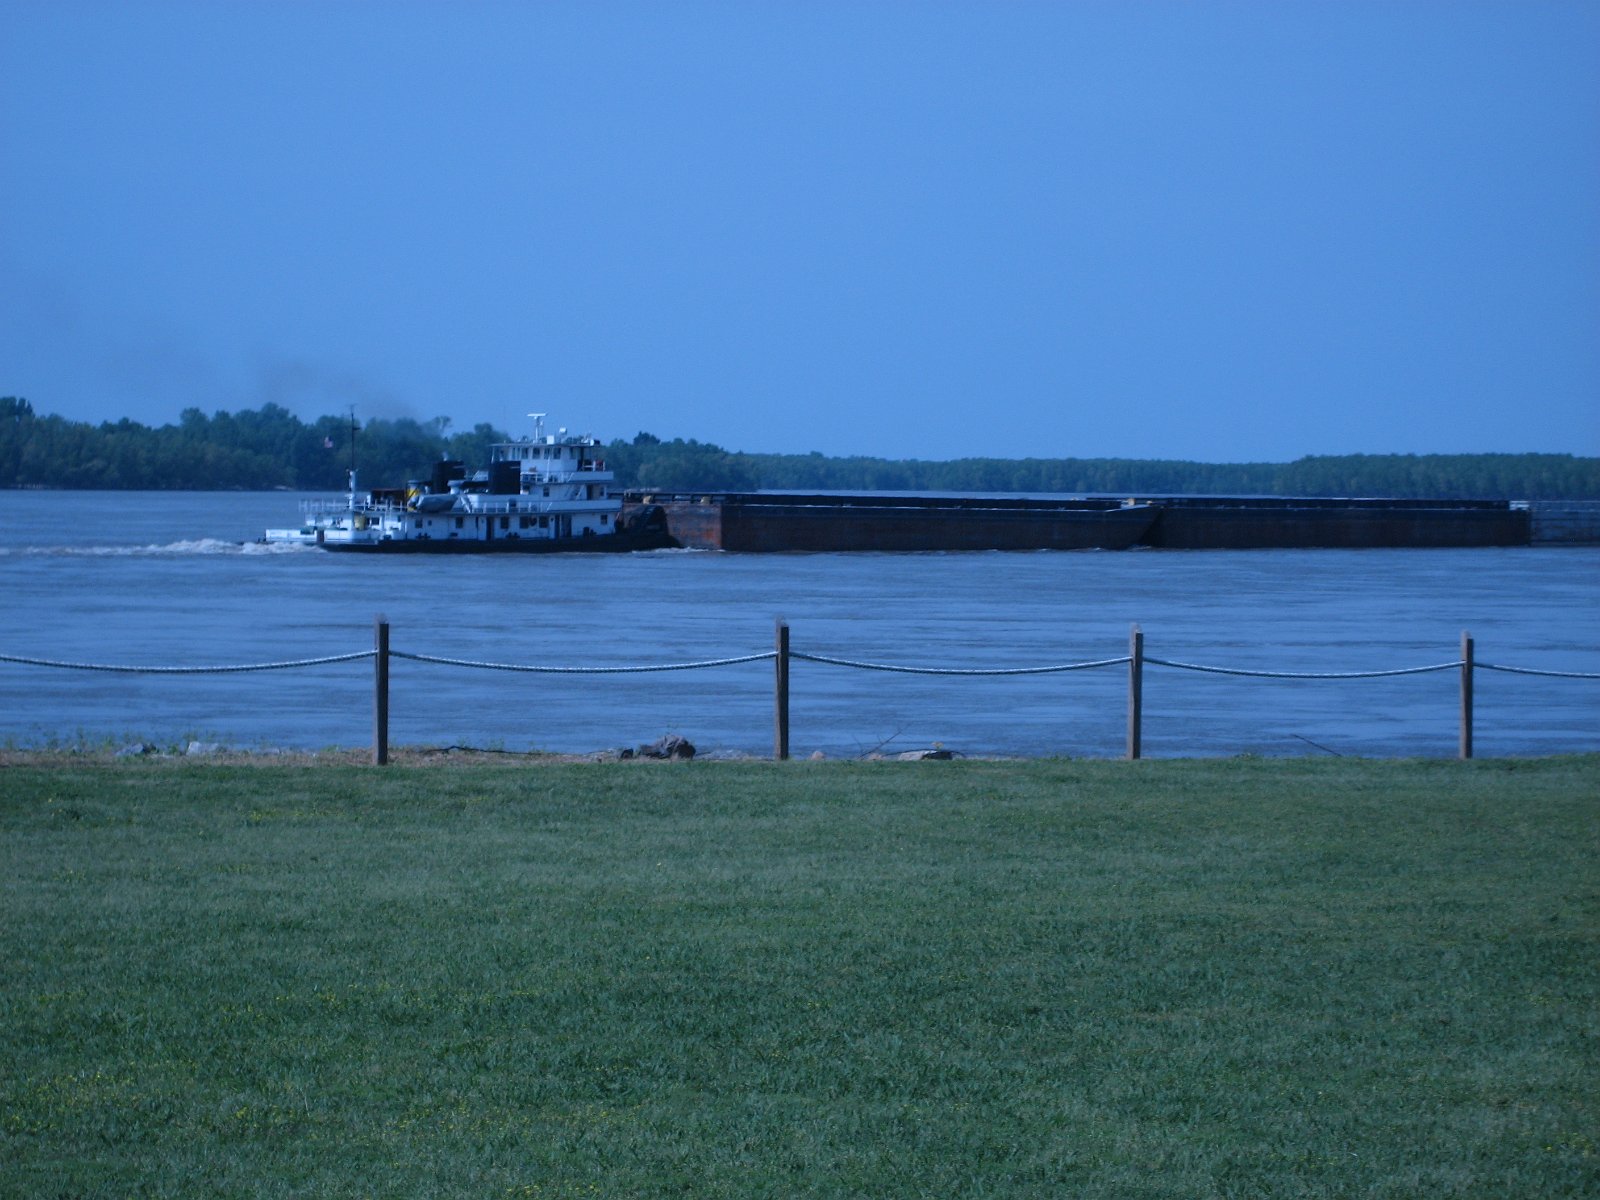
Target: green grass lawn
[[1160, 979]]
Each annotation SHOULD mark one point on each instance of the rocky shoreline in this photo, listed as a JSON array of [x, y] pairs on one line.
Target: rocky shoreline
[[668, 749]]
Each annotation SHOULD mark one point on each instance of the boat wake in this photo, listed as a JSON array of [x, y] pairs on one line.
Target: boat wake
[[198, 546]]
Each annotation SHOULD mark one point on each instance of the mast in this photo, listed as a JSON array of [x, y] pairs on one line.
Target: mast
[[354, 429]]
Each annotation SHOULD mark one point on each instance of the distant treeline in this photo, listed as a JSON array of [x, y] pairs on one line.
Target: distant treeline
[[254, 450], [269, 447]]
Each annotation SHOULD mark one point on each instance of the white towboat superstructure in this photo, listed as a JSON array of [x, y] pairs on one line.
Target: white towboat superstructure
[[547, 492]]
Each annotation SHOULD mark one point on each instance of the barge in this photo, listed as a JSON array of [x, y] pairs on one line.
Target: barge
[[772, 522], [1291, 522], [761, 521]]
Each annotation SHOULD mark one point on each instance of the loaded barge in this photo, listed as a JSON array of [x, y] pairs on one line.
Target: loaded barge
[[1287, 523], [761, 521], [771, 521]]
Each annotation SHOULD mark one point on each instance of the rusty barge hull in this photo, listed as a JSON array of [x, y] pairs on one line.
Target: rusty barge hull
[[770, 523], [1235, 523], [773, 523]]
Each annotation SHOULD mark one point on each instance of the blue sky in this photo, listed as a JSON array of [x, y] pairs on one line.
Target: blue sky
[[1214, 231]]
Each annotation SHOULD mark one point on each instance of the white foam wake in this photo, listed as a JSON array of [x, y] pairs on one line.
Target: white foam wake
[[203, 546]]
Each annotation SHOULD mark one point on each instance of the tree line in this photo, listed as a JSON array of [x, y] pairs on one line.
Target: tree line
[[270, 447]]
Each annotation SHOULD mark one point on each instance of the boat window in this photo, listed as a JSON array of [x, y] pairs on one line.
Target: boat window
[[458, 522], [605, 518], [505, 522]]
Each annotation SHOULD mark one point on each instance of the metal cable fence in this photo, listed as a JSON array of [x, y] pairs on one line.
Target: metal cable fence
[[782, 656]]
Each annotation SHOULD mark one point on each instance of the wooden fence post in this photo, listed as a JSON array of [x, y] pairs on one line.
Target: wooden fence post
[[380, 691], [1466, 694], [780, 704], [1135, 689]]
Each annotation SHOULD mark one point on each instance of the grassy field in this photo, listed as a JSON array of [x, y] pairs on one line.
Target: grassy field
[[1164, 979]]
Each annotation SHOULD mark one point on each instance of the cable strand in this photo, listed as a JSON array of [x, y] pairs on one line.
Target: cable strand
[[230, 669], [439, 660], [1185, 666], [828, 660]]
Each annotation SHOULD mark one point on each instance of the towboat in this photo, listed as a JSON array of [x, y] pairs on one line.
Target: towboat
[[540, 494]]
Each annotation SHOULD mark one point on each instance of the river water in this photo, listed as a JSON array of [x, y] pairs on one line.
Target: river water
[[174, 579]]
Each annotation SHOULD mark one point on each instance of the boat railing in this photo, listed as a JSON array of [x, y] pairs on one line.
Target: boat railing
[[332, 508], [503, 505], [586, 471], [481, 503]]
